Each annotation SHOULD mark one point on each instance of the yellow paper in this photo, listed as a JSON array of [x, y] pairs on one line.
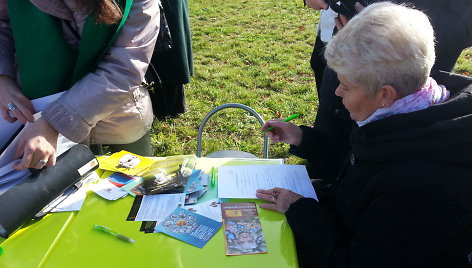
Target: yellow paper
[[126, 162]]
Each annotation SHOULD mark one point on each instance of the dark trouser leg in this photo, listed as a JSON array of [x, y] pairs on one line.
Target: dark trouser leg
[[140, 147]]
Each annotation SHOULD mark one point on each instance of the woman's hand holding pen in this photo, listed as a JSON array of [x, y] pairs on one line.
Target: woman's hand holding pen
[[283, 132], [13, 104]]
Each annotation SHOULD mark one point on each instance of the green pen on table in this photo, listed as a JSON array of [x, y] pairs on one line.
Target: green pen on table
[[285, 120], [113, 233], [213, 176]]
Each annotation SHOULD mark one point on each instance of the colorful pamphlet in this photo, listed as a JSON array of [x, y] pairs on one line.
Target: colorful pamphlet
[[189, 227], [243, 230], [119, 179]]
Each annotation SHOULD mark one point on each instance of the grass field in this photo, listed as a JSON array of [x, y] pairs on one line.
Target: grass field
[[254, 53]]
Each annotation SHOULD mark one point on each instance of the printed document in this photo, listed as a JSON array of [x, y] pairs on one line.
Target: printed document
[[243, 181]]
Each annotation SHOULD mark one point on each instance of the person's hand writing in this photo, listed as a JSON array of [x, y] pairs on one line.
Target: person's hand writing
[[283, 132], [317, 4], [37, 143], [13, 104], [342, 20], [280, 199]]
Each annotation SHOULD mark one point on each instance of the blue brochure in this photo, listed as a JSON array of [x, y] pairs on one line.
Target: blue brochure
[[189, 227], [193, 183]]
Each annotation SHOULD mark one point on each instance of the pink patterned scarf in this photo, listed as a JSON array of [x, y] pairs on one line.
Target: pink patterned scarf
[[431, 93]]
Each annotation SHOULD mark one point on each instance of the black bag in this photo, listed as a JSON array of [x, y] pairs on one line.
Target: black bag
[[167, 93], [164, 38], [153, 81]]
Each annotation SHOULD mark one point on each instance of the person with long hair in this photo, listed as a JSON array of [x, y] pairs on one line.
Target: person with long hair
[[61, 46]]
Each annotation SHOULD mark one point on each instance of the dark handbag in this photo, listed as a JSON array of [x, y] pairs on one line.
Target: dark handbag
[[164, 38], [164, 43]]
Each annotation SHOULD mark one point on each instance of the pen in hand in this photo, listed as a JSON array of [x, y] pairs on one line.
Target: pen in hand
[[110, 232], [285, 120]]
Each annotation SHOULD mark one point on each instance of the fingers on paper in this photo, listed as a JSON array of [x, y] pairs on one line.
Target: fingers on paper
[[6, 114], [35, 157], [264, 195], [22, 112]]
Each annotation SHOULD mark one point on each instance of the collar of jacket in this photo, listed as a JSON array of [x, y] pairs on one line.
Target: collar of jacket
[[441, 132]]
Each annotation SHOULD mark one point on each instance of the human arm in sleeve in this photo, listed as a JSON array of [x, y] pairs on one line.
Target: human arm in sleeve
[[121, 71]]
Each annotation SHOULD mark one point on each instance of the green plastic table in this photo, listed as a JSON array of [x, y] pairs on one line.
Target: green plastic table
[[67, 239]]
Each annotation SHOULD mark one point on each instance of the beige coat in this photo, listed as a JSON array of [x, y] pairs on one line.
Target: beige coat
[[108, 106]]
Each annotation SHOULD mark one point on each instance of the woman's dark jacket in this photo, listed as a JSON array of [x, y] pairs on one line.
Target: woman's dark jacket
[[453, 31], [404, 196]]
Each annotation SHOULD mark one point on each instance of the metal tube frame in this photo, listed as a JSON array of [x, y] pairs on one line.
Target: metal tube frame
[[225, 106]]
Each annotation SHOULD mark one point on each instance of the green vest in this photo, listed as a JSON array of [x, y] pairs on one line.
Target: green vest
[[47, 64]]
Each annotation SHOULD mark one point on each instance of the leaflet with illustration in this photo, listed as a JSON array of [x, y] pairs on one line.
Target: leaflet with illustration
[[242, 229], [189, 227]]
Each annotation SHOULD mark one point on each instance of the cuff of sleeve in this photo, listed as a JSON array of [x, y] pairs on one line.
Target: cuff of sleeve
[[300, 150], [297, 212], [70, 126], [6, 65]]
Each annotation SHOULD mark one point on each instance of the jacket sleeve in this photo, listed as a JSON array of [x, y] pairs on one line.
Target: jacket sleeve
[[121, 71], [398, 230], [325, 152], [7, 49]]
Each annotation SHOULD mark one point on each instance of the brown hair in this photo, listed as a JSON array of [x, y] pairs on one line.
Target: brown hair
[[106, 11]]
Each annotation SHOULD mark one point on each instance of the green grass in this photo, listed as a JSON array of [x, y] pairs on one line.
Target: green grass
[[254, 53]]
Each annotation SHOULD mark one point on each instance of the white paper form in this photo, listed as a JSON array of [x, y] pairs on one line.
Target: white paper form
[[157, 207], [243, 181]]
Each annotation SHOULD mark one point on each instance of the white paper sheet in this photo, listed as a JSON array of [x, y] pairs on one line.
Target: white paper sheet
[[210, 209], [243, 181], [74, 201], [108, 190], [157, 207]]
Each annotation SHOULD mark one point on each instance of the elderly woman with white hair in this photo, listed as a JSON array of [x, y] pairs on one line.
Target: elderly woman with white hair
[[403, 198]]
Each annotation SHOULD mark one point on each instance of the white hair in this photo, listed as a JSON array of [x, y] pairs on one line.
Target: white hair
[[385, 44]]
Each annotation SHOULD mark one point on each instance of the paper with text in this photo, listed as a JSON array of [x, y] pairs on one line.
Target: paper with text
[[157, 207], [243, 181]]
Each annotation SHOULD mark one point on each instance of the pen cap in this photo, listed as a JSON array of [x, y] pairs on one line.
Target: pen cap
[[24, 200]]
